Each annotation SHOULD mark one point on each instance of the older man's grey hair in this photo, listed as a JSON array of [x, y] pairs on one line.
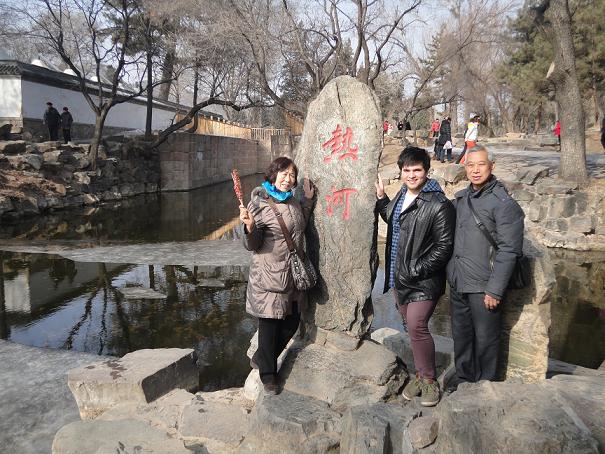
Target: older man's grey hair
[[476, 148]]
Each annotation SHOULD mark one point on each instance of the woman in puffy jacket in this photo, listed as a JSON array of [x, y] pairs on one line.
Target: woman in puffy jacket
[[271, 295]]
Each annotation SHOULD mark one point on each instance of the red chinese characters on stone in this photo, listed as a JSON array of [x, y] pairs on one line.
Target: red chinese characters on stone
[[338, 198], [341, 143]]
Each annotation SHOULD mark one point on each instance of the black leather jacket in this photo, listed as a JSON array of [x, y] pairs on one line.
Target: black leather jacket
[[426, 243]]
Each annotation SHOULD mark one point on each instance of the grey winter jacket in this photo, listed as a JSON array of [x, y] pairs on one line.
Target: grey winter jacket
[[271, 290], [475, 267], [66, 120], [52, 118]]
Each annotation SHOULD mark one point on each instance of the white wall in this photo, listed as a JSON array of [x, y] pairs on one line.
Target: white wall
[[10, 93], [126, 115]]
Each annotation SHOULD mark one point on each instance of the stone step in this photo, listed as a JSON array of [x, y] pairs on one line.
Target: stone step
[[139, 377]]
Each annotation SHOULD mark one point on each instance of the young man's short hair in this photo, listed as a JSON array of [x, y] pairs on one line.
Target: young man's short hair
[[414, 155]]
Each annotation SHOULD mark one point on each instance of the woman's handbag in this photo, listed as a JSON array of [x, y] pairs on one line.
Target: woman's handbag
[[303, 271], [521, 276]]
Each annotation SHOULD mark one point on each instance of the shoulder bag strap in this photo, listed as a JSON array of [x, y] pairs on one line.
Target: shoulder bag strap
[[282, 224], [480, 224]]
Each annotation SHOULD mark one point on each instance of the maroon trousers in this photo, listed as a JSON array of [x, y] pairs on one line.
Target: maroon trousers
[[416, 315]]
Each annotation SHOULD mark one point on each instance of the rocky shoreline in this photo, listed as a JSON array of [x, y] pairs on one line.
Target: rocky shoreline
[[48, 176]]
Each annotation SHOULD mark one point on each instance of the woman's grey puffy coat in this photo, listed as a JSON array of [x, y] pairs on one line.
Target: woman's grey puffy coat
[[271, 289]]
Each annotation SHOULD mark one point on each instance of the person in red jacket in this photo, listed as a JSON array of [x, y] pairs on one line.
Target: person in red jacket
[[557, 132], [435, 126]]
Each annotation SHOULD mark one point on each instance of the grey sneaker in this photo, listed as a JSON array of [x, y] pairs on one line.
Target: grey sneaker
[[430, 394], [412, 389]]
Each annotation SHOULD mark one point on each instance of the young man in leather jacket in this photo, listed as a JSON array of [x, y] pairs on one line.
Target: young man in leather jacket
[[420, 241]]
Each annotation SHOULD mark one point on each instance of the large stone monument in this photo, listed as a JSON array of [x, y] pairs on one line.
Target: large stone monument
[[339, 151]]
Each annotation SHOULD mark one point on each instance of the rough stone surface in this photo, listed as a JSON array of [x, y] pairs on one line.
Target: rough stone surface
[[378, 428], [214, 419], [451, 173], [341, 235], [423, 431], [290, 422], [529, 175], [12, 147], [492, 417], [105, 437], [344, 378], [526, 321], [141, 376]]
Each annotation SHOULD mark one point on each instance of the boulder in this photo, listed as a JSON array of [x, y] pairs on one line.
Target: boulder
[[141, 376], [377, 428], [292, 423], [5, 131], [529, 175], [12, 147], [5, 205], [526, 317], [344, 378], [491, 417], [25, 161], [339, 151], [105, 437], [451, 173], [423, 431]]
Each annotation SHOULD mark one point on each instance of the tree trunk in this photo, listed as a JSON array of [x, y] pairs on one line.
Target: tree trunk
[[167, 71], [567, 92], [149, 114], [96, 138], [196, 78], [538, 119]]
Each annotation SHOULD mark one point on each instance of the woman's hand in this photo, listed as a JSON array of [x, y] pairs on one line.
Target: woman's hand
[[379, 188], [308, 188], [246, 218]]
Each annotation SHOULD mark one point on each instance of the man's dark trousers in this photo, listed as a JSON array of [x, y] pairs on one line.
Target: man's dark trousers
[[476, 332], [53, 133], [67, 135]]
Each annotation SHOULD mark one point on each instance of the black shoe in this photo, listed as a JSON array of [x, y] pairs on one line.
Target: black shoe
[[271, 388]]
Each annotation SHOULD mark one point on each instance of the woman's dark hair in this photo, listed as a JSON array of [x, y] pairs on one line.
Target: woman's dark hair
[[279, 165], [414, 155]]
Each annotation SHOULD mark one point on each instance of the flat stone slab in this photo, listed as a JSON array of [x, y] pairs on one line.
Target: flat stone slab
[[211, 283], [105, 437], [140, 376], [141, 293], [218, 253], [35, 399]]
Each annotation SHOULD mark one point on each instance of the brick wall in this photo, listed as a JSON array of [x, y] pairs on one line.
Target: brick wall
[[191, 161]]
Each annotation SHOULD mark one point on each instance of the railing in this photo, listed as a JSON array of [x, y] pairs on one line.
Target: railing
[[219, 127]]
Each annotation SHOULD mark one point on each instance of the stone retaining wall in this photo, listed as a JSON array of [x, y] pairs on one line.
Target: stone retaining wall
[[191, 161]]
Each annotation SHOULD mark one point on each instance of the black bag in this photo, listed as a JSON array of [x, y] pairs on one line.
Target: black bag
[[521, 276], [303, 271]]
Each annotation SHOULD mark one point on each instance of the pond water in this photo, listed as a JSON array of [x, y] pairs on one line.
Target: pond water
[[50, 301]]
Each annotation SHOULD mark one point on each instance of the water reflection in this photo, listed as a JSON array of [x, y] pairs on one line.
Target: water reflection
[[205, 213], [50, 301]]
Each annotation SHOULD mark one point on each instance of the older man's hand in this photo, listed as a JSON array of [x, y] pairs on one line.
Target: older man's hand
[[490, 302]]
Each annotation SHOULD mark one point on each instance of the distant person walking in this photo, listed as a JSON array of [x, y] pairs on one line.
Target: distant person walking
[[435, 125], [557, 132], [470, 136], [66, 122], [52, 120], [445, 136]]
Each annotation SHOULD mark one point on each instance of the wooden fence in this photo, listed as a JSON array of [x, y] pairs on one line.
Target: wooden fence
[[219, 127]]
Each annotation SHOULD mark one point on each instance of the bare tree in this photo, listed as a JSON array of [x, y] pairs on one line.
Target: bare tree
[[52, 21]]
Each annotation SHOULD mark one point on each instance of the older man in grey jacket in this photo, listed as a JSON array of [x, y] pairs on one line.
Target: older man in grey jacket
[[478, 273]]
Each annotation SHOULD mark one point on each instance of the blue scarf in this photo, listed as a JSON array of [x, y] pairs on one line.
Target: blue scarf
[[276, 193]]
